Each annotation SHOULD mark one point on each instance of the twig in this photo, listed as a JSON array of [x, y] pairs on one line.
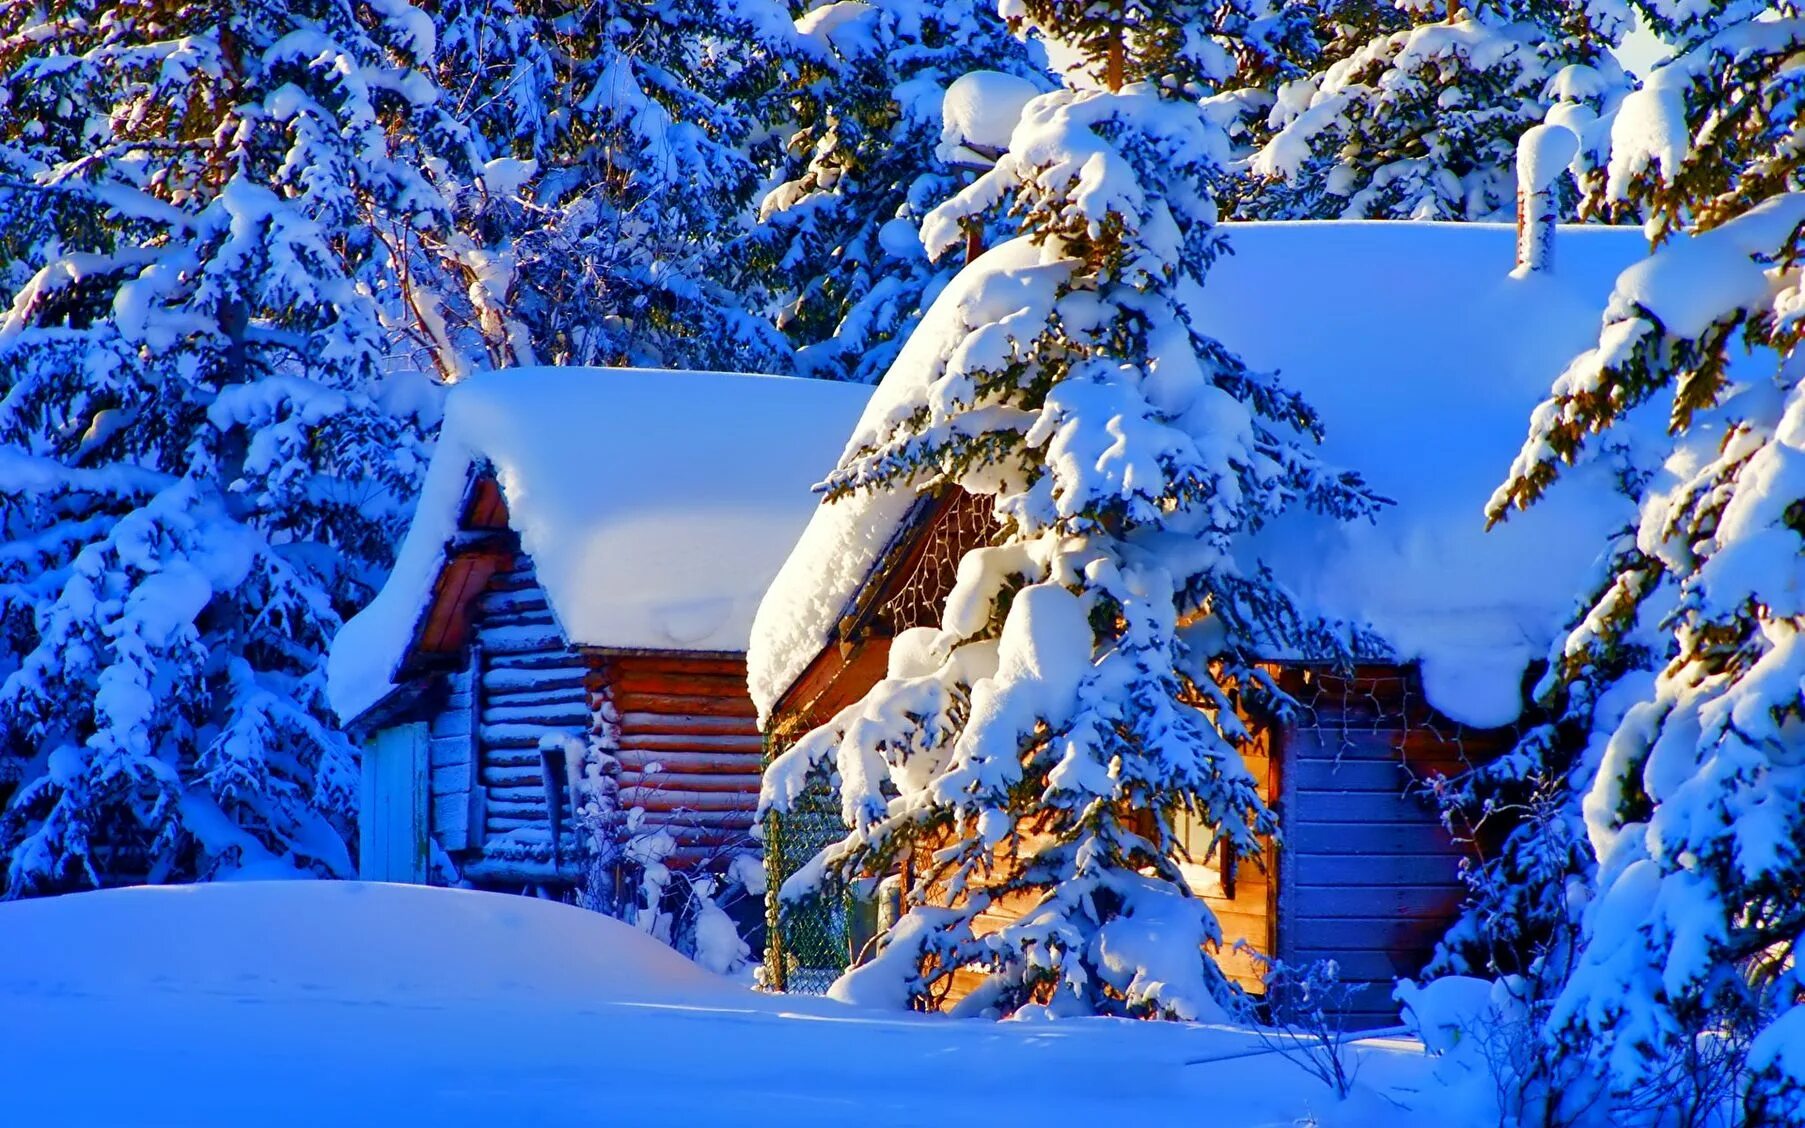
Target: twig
[[1355, 1036]]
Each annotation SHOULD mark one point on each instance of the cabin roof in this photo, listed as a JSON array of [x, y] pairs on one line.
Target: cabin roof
[[1424, 358], [655, 505]]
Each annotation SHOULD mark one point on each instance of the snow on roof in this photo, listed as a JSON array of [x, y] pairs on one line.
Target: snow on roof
[[655, 505], [844, 538], [1424, 358]]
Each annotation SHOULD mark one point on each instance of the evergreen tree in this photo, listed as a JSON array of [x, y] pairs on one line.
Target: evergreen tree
[[1094, 663], [1684, 681], [864, 163], [621, 146], [1422, 121], [197, 475]]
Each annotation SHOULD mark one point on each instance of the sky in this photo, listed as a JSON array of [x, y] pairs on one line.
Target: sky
[[1641, 51]]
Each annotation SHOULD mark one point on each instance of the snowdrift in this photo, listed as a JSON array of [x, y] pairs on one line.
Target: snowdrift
[[307, 1003], [336, 939]]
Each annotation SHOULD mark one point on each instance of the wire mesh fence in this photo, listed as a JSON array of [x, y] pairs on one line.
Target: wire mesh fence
[[809, 941]]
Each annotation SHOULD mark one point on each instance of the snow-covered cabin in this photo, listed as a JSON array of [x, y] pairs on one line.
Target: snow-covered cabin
[[571, 606], [1424, 355]]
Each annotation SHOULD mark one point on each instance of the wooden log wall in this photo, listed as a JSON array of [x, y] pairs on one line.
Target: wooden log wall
[[456, 807], [1368, 877], [689, 746], [531, 684]]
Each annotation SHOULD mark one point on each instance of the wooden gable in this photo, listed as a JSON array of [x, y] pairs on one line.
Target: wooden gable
[[905, 589], [483, 545]]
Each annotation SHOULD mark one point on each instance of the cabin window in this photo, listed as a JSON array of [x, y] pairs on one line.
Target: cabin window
[[963, 525]]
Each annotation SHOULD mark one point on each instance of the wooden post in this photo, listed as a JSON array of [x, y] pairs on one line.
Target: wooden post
[[1543, 152], [775, 978]]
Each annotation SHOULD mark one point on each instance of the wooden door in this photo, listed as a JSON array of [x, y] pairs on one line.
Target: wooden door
[[392, 809]]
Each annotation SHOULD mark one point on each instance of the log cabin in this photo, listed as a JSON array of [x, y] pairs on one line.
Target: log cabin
[[1424, 381], [562, 639]]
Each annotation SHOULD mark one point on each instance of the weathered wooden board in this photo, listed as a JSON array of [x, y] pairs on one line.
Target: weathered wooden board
[[1350, 869], [395, 805], [1369, 877]]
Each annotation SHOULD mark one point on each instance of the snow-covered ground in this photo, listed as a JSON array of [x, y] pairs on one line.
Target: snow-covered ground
[[345, 1003]]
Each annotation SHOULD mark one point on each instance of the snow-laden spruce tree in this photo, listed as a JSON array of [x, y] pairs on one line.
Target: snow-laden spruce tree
[[197, 475], [1526, 892], [1086, 683], [1422, 122], [618, 142], [864, 162], [1686, 676]]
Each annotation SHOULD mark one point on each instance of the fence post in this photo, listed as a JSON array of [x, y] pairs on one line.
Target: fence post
[[775, 978]]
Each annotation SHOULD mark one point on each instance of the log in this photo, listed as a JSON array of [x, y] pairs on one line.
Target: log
[[687, 782], [749, 744], [522, 620], [732, 665], [661, 682], [525, 679], [530, 793], [654, 724], [530, 598], [512, 775], [671, 704], [660, 798], [671, 819], [544, 691], [523, 640], [562, 714], [518, 756], [699, 761], [518, 735]]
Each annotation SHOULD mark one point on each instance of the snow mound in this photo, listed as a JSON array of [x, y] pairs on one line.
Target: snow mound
[[980, 111], [335, 940], [656, 505], [308, 1003]]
